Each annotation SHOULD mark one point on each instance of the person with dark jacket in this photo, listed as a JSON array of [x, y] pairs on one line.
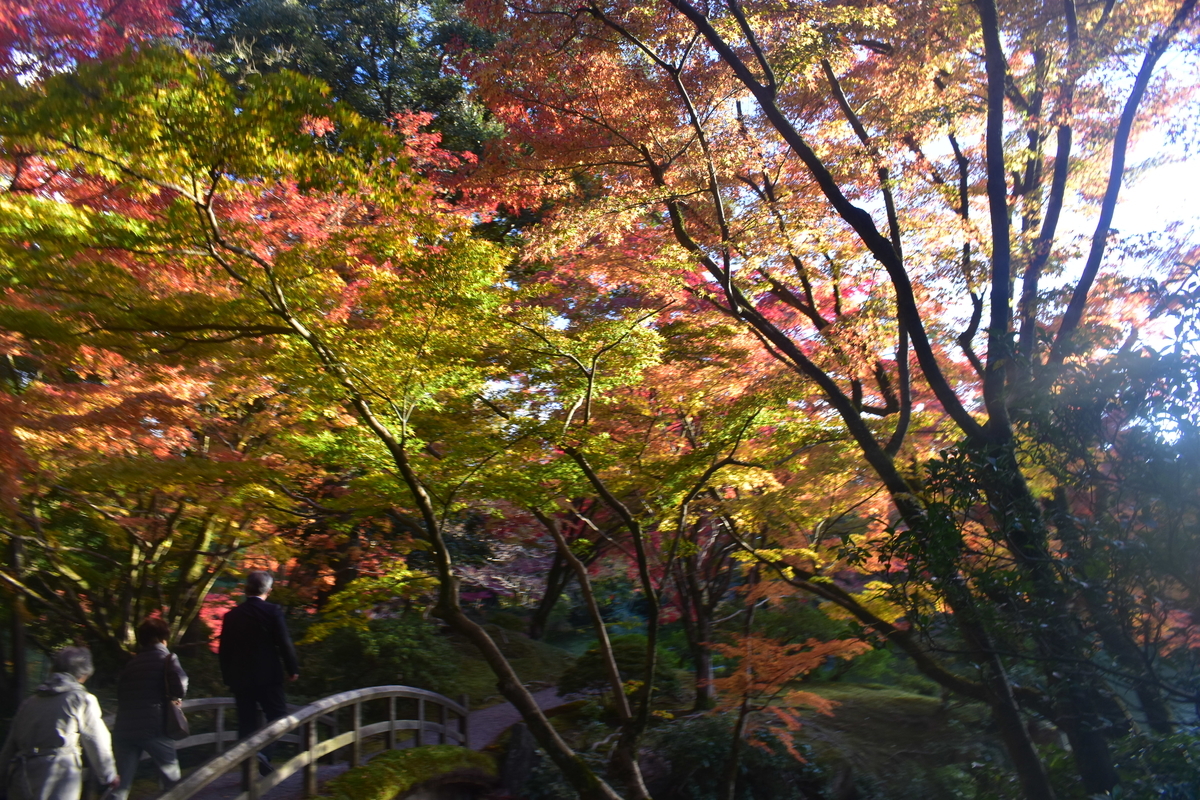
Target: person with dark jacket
[[256, 654], [42, 759], [149, 681]]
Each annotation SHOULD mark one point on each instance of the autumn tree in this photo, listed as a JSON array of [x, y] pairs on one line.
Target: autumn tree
[[672, 443], [128, 470], [299, 225], [37, 40], [383, 57], [869, 202]]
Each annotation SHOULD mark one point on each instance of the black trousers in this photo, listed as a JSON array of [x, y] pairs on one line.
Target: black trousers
[[249, 700]]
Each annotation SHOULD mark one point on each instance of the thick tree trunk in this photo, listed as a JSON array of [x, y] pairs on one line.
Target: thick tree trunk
[[1031, 773], [1078, 718], [5, 675], [1116, 641], [700, 594], [1077, 689]]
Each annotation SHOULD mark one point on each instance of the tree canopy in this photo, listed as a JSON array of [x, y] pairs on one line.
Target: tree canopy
[[800, 308]]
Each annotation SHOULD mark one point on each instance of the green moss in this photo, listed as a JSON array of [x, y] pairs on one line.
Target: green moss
[[533, 661], [397, 771], [904, 746]]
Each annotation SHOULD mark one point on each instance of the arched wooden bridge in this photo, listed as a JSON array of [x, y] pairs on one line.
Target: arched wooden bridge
[[316, 731]]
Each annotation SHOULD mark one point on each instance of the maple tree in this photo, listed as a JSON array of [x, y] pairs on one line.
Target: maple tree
[[123, 475], [382, 57], [739, 347], [38, 39], [123, 218], [674, 452], [850, 193], [335, 256], [757, 685]]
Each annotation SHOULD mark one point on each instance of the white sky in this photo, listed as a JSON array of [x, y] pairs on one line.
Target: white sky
[[1160, 196]]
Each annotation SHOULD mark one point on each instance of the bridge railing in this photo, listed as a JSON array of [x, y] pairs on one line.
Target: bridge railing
[[438, 720]]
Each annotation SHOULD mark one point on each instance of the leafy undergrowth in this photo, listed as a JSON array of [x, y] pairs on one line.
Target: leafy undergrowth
[[535, 662], [398, 771], [882, 743], [893, 744]]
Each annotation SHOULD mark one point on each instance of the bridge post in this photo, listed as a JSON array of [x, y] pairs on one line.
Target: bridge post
[[390, 740], [465, 702], [444, 716], [420, 737], [250, 776], [308, 741], [220, 728], [356, 743]]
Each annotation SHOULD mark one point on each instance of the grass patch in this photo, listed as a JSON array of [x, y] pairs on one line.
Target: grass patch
[[398, 771], [534, 662], [898, 744]]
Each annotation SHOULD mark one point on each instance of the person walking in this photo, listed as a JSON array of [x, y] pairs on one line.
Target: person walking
[[152, 679], [42, 759], [256, 655]]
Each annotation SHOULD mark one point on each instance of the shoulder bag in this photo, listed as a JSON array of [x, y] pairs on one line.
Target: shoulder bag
[[175, 723]]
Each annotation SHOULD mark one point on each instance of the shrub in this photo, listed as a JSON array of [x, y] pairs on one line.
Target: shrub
[[588, 674], [1150, 767], [404, 650], [696, 750], [397, 771]]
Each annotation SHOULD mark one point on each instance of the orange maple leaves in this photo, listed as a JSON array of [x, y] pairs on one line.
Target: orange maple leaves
[[766, 673]]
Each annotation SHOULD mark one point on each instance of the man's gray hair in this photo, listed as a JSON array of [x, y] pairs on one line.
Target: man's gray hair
[[75, 661], [258, 583]]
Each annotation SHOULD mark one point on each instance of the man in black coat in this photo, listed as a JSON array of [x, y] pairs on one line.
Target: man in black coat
[[256, 654]]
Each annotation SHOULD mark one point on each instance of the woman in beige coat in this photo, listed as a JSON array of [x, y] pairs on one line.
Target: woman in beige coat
[[43, 756]]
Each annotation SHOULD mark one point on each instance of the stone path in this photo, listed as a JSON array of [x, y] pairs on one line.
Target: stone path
[[484, 727], [486, 724]]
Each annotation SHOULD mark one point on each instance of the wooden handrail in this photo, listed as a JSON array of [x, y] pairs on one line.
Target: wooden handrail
[[300, 727]]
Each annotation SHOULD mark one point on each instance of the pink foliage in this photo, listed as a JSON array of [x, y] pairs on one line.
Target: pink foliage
[[37, 39], [216, 604]]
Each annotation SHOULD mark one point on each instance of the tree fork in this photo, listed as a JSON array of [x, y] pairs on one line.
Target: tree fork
[[625, 753], [582, 779]]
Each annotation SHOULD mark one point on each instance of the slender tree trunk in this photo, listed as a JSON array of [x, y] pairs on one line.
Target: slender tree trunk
[[578, 774], [581, 777], [624, 757], [632, 730], [729, 781], [702, 662], [20, 662], [557, 580]]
